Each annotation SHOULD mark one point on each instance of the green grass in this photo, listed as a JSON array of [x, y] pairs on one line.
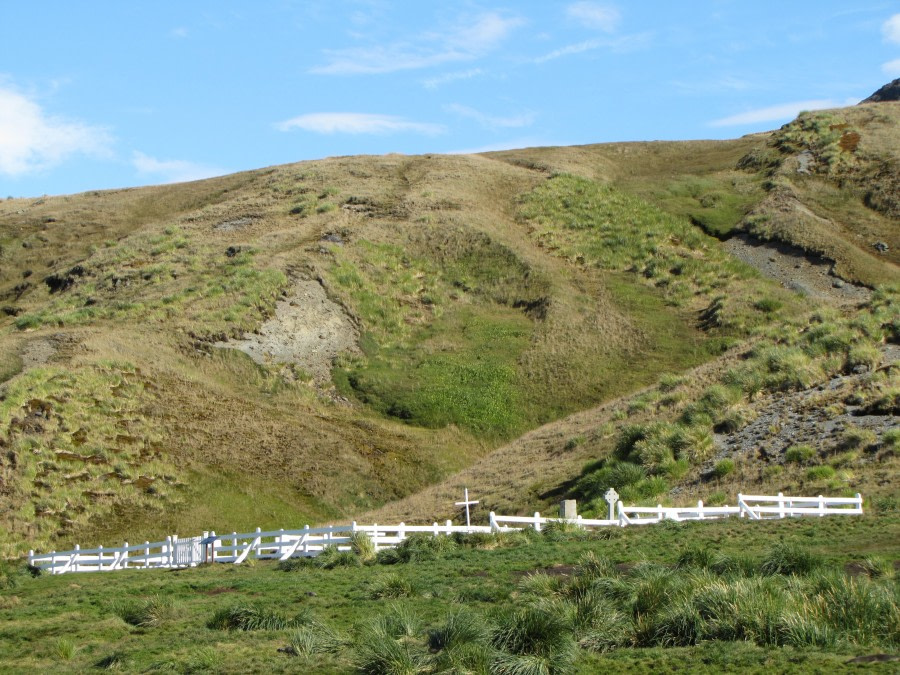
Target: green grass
[[461, 337], [82, 446], [695, 595], [169, 278], [794, 354], [716, 202], [599, 226]]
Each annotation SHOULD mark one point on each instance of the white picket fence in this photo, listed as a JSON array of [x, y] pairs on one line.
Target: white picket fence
[[176, 552]]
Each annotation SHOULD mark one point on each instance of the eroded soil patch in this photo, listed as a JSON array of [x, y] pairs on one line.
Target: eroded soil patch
[[308, 330]]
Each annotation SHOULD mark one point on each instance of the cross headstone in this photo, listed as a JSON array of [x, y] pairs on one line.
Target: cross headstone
[[611, 498], [466, 502]]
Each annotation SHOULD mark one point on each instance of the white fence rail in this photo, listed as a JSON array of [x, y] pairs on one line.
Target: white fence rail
[[175, 552]]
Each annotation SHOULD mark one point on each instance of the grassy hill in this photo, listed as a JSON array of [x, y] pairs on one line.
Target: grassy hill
[[307, 342]]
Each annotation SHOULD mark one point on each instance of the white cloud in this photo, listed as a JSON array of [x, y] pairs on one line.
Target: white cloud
[[358, 123], [775, 113], [31, 140], [173, 170], [891, 68], [435, 82], [465, 42], [483, 34], [594, 15], [179, 32], [491, 121], [891, 29], [586, 46], [621, 45]]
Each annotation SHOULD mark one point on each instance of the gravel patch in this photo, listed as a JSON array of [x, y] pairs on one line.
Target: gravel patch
[[796, 269]]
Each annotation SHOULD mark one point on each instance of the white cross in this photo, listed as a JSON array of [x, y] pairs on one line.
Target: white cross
[[611, 498], [466, 503]]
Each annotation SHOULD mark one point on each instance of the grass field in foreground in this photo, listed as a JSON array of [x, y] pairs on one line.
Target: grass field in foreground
[[812, 594]]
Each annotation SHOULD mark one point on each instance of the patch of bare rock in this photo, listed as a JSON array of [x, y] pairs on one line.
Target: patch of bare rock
[[818, 417], [308, 330], [797, 270]]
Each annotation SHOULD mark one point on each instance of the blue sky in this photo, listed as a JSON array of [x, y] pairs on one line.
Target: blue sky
[[109, 94]]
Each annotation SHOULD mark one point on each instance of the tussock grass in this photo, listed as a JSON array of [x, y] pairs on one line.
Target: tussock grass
[[252, 617], [390, 586], [153, 612], [789, 559], [314, 639]]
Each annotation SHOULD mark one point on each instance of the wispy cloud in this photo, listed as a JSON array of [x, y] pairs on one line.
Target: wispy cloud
[[625, 43], [491, 121], [173, 170], [891, 68], [594, 15], [358, 123], [776, 113], [31, 140], [435, 82], [891, 29], [467, 41], [577, 48], [179, 32]]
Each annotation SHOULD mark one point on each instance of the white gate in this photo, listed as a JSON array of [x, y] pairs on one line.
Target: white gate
[[187, 552]]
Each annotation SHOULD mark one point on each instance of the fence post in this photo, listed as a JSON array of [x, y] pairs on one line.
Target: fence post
[[75, 561], [125, 552], [375, 536], [859, 504], [401, 531], [700, 508], [659, 513], [449, 525], [780, 505], [492, 520], [537, 521], [306, 540], [31, 557], [821, 506], [215, 542]]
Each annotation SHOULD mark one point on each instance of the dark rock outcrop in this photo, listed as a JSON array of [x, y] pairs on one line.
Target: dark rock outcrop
[[889, 92]]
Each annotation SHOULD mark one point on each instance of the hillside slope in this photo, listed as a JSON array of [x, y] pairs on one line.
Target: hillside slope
[[309, 341]]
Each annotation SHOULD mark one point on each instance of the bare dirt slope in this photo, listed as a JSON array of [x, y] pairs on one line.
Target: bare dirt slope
[[308, 330]]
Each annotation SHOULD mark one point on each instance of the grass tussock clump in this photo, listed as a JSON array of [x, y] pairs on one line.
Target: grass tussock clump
[[250, 617], [153, 612], [788, 598], [417, 548]]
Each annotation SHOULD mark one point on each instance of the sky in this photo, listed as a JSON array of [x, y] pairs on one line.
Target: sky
[[97, 95]]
